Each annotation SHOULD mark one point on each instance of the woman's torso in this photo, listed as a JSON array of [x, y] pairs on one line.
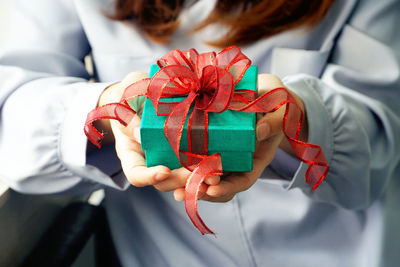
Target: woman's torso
[[264, 226]]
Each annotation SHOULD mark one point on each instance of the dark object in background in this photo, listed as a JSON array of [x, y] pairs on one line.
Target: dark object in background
[[69, 233], [105, 253]]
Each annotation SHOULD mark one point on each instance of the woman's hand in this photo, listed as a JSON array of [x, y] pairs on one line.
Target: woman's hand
[[127, 146], [269, 138], [127, 139]]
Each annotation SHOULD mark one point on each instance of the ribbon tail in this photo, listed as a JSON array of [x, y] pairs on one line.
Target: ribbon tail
[[209, 166], [173, 127], [310, 153], [115, 111], [292, 122], [197, 135], [134, 90]]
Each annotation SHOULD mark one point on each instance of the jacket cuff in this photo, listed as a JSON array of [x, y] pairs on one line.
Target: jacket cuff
[[73, 141], [320, 126]]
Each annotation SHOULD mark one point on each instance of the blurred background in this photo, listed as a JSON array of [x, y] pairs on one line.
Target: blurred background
[[4, 8], [26, 219], [4, 11]]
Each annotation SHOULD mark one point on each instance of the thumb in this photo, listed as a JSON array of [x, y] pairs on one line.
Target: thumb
[[271, 123], [267, 82], [131, 130]]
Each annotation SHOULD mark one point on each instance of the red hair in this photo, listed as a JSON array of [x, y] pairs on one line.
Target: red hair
[[248, 20]]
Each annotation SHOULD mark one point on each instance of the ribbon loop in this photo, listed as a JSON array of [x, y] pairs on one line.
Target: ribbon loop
[[171, 81], [204, 60], [179, 58], [234, 61], [216, 91]]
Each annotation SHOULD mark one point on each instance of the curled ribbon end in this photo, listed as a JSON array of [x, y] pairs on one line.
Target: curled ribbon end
[[321, 179], [210, 233], [115, 111], [94, 136], [96, 142]]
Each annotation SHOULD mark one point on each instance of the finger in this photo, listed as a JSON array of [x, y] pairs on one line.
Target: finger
[[265, 153], [223, 199], [137, 102], [113, 93], [134, 164], [136, 134], [238, 182], [212, 180], [142, 176], [179, 194], [270, 124], [202, 190], [230, 185], [125, 145], [176, 179], [133, 77], [267, 82], [132, 130]]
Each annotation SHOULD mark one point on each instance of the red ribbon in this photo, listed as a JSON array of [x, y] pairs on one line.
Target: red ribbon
[[207, 80]]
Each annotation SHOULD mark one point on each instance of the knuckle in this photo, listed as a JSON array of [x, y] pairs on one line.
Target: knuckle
[[249, 182], [162, 188], [246, 187], [227, 199], [267, 82], [135, 76], [134, 179], [269, 76], [222, 196]]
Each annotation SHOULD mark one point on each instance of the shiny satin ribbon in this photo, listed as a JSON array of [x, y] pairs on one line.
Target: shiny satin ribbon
[[207, 81]]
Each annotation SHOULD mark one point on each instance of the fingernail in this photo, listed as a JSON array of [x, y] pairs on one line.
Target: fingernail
[[211, 191], [136, 134], [211, 180], [179, 197], [179, 200], [262, 131]]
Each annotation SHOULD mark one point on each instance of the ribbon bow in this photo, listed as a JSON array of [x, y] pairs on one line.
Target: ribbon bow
[[207, 80]]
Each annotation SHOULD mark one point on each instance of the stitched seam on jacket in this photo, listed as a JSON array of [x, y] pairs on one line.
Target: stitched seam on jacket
[[311, 84], [60, 127], [330, 160], [245, 238]]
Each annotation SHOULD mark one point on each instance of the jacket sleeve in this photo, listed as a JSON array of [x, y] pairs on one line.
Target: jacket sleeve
[[44, 98], [353, 110]]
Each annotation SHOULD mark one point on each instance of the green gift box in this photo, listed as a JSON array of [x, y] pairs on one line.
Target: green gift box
[[231, 133]]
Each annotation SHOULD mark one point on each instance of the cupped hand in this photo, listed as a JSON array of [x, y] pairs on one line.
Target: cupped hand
[[215, 189], [128, 148], [269, 137]]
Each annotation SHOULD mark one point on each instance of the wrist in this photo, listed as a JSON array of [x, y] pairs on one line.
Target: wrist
[[109, 95]]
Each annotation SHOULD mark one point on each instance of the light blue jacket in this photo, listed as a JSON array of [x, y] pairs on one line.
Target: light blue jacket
[[346, 70]]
